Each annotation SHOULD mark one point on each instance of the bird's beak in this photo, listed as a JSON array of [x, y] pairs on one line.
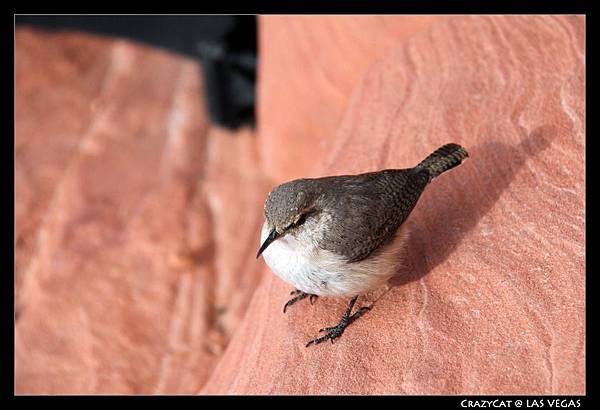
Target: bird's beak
[[272, 236]]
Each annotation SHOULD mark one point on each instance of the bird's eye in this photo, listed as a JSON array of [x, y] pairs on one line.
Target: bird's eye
[[301, 220]]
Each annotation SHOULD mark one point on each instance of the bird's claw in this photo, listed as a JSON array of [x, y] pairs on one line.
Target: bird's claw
[[326, 329], [336, 331], [332, 334], [298, 295]]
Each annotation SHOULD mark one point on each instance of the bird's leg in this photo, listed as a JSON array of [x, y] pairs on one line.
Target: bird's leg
[[337, 330], [299, 296]]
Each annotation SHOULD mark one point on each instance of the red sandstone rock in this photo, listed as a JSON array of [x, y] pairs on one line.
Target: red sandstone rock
[[137, 222], [123, 196], [492, 297], [318, 61], [47, 134]]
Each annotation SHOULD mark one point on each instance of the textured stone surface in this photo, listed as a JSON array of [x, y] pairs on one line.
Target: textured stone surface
[[126, 202], [492, 298], [318, 61], [137, 222]]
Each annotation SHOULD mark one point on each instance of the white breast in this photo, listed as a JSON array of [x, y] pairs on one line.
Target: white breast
[[298, 261]]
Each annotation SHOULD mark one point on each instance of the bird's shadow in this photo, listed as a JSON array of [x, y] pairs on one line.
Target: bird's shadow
[[496, 166]]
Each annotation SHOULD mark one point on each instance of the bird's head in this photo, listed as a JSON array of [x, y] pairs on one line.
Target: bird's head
[[287, 208]]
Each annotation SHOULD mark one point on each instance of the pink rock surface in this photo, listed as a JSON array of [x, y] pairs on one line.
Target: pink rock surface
[[125, 199], [492, 298], [41, 117], [318, 62], [137, 222]]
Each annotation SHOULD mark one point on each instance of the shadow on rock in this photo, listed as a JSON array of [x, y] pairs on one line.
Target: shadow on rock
[[495, 164]]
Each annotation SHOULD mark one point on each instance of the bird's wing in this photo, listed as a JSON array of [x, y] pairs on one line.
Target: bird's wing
[[367, 210]]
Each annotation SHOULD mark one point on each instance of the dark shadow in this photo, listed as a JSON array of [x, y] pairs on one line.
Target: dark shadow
[[226, 45], [496, 165]]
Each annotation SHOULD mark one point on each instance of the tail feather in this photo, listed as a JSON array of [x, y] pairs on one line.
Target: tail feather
[[444, 158]]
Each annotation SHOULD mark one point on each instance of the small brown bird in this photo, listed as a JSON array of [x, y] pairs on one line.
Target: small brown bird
[[343, 235]]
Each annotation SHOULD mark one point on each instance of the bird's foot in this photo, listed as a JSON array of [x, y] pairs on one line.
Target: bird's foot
[[336, 331], [299, 295]]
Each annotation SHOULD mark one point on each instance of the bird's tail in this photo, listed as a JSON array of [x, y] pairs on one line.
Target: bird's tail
[[444, 158]]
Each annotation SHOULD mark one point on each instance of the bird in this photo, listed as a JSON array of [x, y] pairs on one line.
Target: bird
[[345, 235]]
